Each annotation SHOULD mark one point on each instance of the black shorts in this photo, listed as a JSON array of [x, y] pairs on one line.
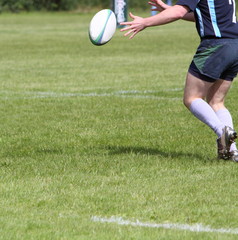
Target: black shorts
[[216, 59]]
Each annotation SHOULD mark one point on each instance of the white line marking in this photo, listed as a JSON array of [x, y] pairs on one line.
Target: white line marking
[[122, 93], [187, 227]]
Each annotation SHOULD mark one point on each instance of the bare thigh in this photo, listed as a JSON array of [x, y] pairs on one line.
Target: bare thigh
[[217, 93], [195, 88], [214, 93]]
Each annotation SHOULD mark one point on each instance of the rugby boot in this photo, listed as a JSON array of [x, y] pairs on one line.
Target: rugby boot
[[221, 154], [233, 155], [224, 143]]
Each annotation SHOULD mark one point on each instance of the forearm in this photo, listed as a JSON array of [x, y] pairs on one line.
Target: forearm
[[170, 14], [161, 6]]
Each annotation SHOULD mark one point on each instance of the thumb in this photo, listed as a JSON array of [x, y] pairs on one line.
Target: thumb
[[132, 16]]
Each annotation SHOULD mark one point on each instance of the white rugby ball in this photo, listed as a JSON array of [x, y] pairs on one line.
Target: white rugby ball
[[102, 27]]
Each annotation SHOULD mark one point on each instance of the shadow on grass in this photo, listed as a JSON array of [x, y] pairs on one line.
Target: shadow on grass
[[116, 150]]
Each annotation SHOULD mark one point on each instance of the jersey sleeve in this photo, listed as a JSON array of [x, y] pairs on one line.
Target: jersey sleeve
[[191, 4]]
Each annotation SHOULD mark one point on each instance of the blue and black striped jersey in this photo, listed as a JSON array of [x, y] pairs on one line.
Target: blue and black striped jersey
[[214, 18]]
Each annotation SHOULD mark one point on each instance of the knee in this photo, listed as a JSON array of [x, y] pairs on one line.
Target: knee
[[187, 101]]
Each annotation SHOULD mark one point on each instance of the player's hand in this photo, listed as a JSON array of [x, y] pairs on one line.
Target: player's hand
[[133, 27], [158, 5]]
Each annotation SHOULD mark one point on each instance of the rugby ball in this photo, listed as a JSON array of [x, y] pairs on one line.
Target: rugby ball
[[102, 27]]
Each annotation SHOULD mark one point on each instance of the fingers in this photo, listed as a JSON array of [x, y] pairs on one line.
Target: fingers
[[131, 15], [128, 33], [132, 27], [125, 23], [133, 35], [131, 32], [126, 28], [128, 23], [160, 5], [152, 3]]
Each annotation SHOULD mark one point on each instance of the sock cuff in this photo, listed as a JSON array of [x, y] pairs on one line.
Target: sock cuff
[[195, 102], [222, 110]]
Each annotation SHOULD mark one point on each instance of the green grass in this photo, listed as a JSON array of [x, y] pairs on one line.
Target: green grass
[[102, 131]]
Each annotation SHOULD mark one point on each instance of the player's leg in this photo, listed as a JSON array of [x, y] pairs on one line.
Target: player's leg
[[216, 98], [195, 92], [201, 84], [216, 94]]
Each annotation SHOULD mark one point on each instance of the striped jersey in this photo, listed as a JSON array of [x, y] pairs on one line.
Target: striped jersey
[[214, 18]]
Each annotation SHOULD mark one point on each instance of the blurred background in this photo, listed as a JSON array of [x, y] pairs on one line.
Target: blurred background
[[63, 5]]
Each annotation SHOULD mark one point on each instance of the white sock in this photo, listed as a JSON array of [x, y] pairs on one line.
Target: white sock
[[204, 112]]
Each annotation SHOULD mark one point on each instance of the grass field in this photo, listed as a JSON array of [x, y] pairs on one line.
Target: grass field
[[91, 134]]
